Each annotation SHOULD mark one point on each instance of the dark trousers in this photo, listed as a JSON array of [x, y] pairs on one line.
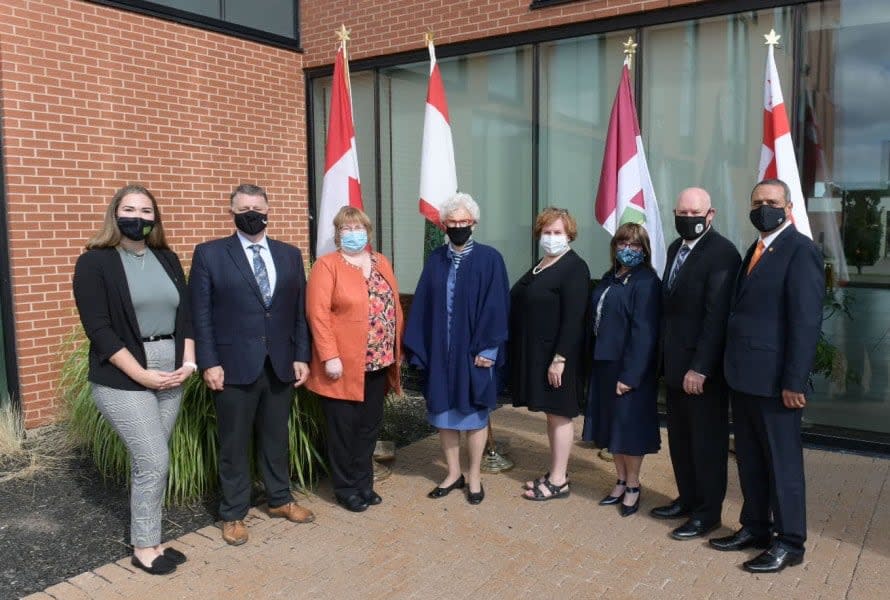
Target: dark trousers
[[698, 433], [262, 408], [770, 458], [352, 429]]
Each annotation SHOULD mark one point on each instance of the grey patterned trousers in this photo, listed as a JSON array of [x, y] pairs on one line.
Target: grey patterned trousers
[[144, 422]]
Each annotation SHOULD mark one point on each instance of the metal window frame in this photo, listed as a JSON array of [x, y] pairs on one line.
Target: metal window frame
[[6, 308], [185, 17]]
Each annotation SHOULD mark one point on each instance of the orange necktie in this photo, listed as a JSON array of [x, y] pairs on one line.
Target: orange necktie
[[758, 252]]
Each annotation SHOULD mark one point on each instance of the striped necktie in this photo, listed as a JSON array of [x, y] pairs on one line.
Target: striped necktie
[[678, 262]]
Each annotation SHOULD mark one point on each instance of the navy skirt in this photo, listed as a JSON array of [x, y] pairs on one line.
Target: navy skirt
[[625, 424]]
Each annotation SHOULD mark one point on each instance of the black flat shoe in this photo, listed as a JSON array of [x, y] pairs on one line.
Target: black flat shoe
[[740, 540], [610, 500], [674, 510], [159, 566], [476, 498], [371, 497], [773, 560], [441, 492], [626, 510], [174, 556], [693, 528], [355, 503]]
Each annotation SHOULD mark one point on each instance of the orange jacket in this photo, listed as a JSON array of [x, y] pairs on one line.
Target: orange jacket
[[337, 311]]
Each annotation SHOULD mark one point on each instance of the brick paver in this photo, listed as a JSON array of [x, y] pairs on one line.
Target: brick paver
[[414, 547]]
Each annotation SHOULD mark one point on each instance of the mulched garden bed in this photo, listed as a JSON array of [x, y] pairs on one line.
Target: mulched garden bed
[[63, 519]]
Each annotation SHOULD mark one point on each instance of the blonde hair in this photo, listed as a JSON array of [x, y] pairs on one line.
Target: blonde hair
[[552, 214], [110, 235], [351, 214]]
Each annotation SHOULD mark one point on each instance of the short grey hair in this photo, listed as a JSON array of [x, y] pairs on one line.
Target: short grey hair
[[455, 203]]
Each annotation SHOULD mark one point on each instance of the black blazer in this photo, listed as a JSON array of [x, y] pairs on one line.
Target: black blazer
[[694, 311], [233, 329], [775, 318], [109, 319]]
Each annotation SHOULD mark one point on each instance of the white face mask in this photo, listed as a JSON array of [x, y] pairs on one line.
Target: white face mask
[[553, 244]]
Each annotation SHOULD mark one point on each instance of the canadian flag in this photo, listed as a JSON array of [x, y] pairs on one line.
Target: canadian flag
[[341, 185], [438, 175], [625, 193], [777, 159]]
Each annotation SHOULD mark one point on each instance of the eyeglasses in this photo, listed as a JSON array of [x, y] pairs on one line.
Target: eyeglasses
[[631, 245], [353, 227], [464, 223]]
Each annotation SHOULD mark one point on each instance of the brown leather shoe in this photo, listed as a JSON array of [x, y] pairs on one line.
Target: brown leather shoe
[[234, 532], [292, 512]]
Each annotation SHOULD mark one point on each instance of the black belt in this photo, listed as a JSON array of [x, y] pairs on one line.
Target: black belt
[[155, 338]]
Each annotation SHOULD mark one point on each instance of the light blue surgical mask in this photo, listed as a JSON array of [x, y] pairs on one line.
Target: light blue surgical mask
[[354, 241], [630, 257], [554, 244]]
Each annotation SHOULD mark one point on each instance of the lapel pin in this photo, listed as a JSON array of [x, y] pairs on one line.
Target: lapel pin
[[771, 248]]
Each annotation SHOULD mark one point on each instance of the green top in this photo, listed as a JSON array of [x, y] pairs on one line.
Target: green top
[[155, 297]]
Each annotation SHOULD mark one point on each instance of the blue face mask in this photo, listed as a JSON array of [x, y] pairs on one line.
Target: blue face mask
[[354, 241], [630, 257]]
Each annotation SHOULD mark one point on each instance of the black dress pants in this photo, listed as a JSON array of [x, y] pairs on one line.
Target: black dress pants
[[770, 459], [352, 429], [261, 408], [698, 434]]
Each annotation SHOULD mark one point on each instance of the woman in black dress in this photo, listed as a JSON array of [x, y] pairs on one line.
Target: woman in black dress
[[547, 325], [621, 411]]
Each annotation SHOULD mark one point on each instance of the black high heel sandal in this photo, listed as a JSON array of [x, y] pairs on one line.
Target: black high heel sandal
[[626, 510], [610, 500]]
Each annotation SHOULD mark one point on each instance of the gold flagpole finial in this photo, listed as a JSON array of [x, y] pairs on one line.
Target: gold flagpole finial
[[428, 38], [343, 34], [630, 48], [772, 38]]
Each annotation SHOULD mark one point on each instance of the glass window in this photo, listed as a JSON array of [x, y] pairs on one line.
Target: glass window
[[277, 18], [274, 16], [579, 78], [702, 110], [846, 178], [489, 103]]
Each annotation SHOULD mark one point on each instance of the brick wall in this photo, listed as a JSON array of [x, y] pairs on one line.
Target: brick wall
[[380, 28], [94, 98]]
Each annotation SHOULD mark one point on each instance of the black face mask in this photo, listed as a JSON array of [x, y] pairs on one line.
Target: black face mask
[[251, 222], [690, 228], [459, 235], [135, 228], [766, 218]]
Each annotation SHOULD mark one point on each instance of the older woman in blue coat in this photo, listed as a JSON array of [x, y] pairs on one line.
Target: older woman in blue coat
[[621, 409], [456, 332]]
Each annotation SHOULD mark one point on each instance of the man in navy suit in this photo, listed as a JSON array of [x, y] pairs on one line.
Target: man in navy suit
[[252, 344], [774, 325], [698, 281]]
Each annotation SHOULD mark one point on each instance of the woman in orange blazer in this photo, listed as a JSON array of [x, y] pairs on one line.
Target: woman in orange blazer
[[353, 309]]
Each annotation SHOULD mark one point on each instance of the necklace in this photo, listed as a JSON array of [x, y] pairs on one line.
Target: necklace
[[541, 266], [135, 257]]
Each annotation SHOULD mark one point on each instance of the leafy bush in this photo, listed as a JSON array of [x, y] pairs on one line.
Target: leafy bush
[[194, 446]]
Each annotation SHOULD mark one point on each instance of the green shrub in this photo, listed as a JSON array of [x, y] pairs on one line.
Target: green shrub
[[194, 446]]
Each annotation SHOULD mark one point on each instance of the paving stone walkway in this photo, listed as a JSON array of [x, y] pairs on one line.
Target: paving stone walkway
[[414, 547]]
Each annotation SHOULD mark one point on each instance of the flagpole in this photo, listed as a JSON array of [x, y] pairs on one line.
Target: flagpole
[[433, 237], [630, 49]]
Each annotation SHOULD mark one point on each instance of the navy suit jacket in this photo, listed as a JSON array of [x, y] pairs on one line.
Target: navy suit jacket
[[775, 318], [232, 327], [629, 325]]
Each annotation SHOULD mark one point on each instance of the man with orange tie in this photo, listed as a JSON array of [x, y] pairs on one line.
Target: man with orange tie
[[774, 324]]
